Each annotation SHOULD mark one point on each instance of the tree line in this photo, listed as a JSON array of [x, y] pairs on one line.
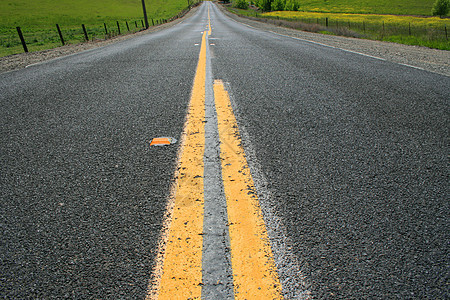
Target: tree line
[[440, 8]]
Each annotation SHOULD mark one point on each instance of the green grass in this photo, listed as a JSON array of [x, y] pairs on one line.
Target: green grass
[[418, 41], [38, 19], [400, 21], [395, 7], [410, 30]]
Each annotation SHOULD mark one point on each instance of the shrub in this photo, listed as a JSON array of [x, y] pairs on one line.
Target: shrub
[[265, 5], [278, 5], [441, 8], [242, 4], [291, 5]]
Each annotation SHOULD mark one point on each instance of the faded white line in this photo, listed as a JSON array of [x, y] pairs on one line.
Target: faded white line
[[333, 47], [414, 67]]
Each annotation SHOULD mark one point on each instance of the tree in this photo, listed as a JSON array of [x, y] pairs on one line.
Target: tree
[[265, 5], [441, 8], [242, 4], [278, 5], [291, 5]]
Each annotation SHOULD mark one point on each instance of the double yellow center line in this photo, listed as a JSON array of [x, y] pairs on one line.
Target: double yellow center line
[[253, 267]]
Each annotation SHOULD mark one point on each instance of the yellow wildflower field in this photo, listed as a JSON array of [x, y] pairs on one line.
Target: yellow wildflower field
[[434, 22]]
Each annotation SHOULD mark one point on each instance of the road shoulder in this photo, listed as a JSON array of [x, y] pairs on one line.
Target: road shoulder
[[432, 60], [22, 60]]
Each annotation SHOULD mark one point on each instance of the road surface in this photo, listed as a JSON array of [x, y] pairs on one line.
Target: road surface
[[348, 156]]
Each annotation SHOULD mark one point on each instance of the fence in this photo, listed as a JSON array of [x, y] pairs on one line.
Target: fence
[[380, 29], [24, 39], [60, 35], [434, 36], [429, 32]]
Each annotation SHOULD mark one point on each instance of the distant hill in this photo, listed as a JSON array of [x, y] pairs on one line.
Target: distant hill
[[67, 12], [397, 7]]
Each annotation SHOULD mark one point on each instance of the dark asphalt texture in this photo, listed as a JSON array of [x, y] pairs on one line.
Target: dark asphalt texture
[[355, 151], [83, 195]]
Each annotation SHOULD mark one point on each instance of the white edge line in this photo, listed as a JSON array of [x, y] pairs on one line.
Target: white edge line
[[329, 46], [414, 67], [91, 49], [316, 43]]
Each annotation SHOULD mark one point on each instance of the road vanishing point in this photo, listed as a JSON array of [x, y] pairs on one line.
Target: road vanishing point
[[288, 170]]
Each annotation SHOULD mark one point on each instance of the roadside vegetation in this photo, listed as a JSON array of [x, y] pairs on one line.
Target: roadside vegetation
[[441, 8], [404, 21], [38, 18], [393, 7]]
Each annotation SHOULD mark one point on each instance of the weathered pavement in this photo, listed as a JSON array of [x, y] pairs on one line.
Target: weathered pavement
[[348, 155]]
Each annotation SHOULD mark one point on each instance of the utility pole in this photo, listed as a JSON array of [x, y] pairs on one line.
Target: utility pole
[[145, 14]]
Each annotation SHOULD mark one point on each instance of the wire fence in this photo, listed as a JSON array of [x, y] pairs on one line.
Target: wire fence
[[15, 40], [422, 31], [379, 29]]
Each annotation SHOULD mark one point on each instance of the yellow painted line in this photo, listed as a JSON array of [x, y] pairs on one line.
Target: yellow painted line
[[209, 22], [254, 270], [182, 270]]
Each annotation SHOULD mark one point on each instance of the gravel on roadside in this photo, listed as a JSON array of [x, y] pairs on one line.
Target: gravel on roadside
[[433, 60], [22, 60]]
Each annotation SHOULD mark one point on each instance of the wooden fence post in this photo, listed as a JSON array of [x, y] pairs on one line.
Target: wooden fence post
[[128, 27], [22, 39], [60, 34], [85, 32], [145, 14], [106, 29], [118, 26]]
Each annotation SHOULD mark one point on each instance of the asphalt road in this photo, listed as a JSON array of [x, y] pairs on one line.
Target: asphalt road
[[349, 155]]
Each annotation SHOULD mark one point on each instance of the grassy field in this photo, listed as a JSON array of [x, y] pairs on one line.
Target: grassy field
[[395, 7], [434, 22], [38, 19], [411, 30], [401, 21]]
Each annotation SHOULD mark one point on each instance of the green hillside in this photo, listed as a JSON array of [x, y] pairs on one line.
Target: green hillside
[[70, 12], [38, 19], [400, 21], [396, 7]]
